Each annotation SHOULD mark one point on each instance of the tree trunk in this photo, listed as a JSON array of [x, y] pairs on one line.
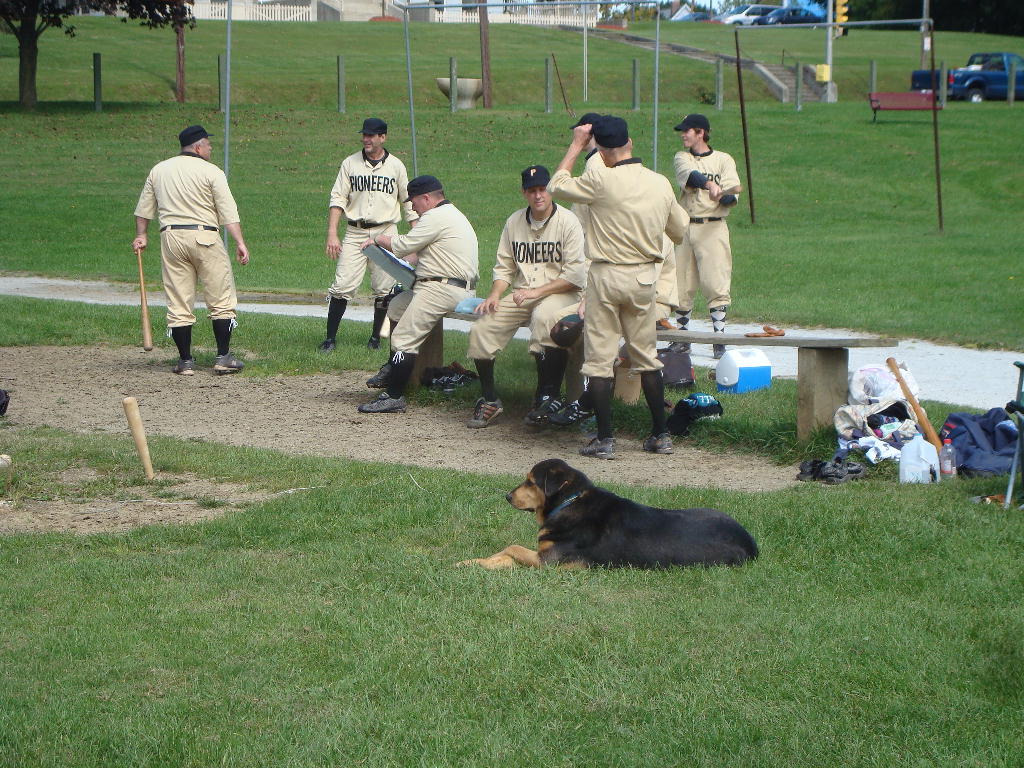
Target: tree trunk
[[179, 79], [28, 59]]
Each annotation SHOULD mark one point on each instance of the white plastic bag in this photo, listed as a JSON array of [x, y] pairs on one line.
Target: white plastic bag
[[919, 462], [875, 383]]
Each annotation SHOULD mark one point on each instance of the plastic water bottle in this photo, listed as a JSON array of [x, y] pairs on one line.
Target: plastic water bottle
[[947, 460]]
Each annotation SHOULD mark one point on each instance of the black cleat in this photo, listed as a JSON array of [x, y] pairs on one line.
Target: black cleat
[[373, 343], [327, 345]]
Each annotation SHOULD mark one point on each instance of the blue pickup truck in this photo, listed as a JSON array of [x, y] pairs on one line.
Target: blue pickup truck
[[984, 77]]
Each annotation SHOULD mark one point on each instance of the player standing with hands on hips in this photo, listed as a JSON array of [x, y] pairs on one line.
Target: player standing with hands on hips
[[708, 186], [447, 266], [631, 208], [370, 185], [190, 195]]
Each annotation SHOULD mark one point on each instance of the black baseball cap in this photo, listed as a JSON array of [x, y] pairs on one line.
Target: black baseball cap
[[374, 125], [611, 132], [536, 176], [421, 185], [192, 134], [694, 121], [588, 119]]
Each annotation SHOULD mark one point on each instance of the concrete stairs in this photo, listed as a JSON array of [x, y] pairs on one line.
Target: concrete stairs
[[364, 10], [781, 81]]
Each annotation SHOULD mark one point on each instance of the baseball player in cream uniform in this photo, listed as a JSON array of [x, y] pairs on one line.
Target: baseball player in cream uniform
[[190, 196], [540, 257], [370, 185], [708, 186], [631, 209], [447, 267]]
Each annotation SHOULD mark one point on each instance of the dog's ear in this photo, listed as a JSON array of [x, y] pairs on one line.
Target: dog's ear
[[557, 475]]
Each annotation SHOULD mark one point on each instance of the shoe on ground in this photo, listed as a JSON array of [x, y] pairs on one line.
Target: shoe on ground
[[185, 367], [379, 380], [717, 350], [373, 343], [547, 406], [599, 449], [227, 363], [484, 413], [659, 443], [327, 345], [833, 473], [573, 413], [384, 403], [810, 470]]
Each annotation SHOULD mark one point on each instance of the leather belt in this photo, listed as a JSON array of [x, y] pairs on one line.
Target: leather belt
[[701, 221], [364, 224], [189, 226], [458, 283]]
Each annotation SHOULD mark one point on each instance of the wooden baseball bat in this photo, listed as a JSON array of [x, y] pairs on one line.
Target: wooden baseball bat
[[569, 109], [131, 411], [922, 417], [147, 334]]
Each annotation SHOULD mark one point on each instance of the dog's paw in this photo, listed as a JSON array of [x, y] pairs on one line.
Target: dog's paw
[[464, 563], [492, 563]]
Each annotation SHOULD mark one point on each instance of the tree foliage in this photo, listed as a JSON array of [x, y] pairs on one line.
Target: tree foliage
[[29, 19], [1001, 17]]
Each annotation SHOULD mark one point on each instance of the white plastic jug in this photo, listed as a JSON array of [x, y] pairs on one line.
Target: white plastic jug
[[919, 462]]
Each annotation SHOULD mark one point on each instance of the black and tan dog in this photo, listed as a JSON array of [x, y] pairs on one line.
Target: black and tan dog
[[582, 525]]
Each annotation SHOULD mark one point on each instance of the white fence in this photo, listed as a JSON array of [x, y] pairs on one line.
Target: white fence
[[246, 10], [534, 14]]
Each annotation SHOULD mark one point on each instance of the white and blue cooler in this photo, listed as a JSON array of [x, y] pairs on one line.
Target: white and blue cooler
[[743, 370]]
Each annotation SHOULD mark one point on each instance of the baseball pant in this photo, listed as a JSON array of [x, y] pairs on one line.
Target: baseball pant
[[492, 332], [352, 264], [415, 313], [667, 289], [620, 304], [704, 259], [188, 255]]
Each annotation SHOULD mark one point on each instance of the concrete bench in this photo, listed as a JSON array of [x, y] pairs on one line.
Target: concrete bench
[[822, 368], [901, 100]]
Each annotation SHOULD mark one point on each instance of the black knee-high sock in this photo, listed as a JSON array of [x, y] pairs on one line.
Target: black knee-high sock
[[222, 333], [601, 395], [538, 362], [335, 311], [485, 370], [551, 371], [401, 371], [379, 313], [182, 336], [653, 385]]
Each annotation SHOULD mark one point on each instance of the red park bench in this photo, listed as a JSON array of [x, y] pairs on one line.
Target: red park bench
[[901, 100]]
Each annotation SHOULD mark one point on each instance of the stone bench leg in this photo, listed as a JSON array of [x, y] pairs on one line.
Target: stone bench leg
[[822, 384]]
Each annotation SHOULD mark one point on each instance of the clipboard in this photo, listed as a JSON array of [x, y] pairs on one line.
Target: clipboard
[[401, 270]]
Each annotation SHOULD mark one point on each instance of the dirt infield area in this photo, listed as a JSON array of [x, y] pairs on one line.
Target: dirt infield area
[[81, 390]]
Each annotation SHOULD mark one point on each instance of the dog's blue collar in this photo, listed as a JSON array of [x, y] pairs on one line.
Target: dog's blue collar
[[564, 504]]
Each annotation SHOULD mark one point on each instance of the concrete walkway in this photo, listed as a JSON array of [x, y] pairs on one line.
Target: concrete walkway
[[955, 375]]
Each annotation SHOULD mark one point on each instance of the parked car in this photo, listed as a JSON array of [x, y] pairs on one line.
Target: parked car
[[986, 76], [745, 14], [790, 15], [691, 16]]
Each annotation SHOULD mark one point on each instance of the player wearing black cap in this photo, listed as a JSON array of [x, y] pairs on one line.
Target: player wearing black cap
[[632, 208], [368, 191], [708, 186], [540, 257], [190, 195], [447, 267]]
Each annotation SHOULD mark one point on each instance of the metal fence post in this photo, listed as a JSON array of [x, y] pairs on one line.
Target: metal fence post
[[943, 84], [636, 85], [1011, 84], [97, 83], [453, 84], [799, 85], [221, 90], [341, 83], [873, 77], [719, 84], [547, 84]]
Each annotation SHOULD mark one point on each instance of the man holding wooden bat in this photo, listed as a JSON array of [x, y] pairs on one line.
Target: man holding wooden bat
[[190, 195]]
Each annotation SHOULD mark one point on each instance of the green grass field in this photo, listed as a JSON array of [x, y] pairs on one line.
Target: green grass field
[[881, 625]]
